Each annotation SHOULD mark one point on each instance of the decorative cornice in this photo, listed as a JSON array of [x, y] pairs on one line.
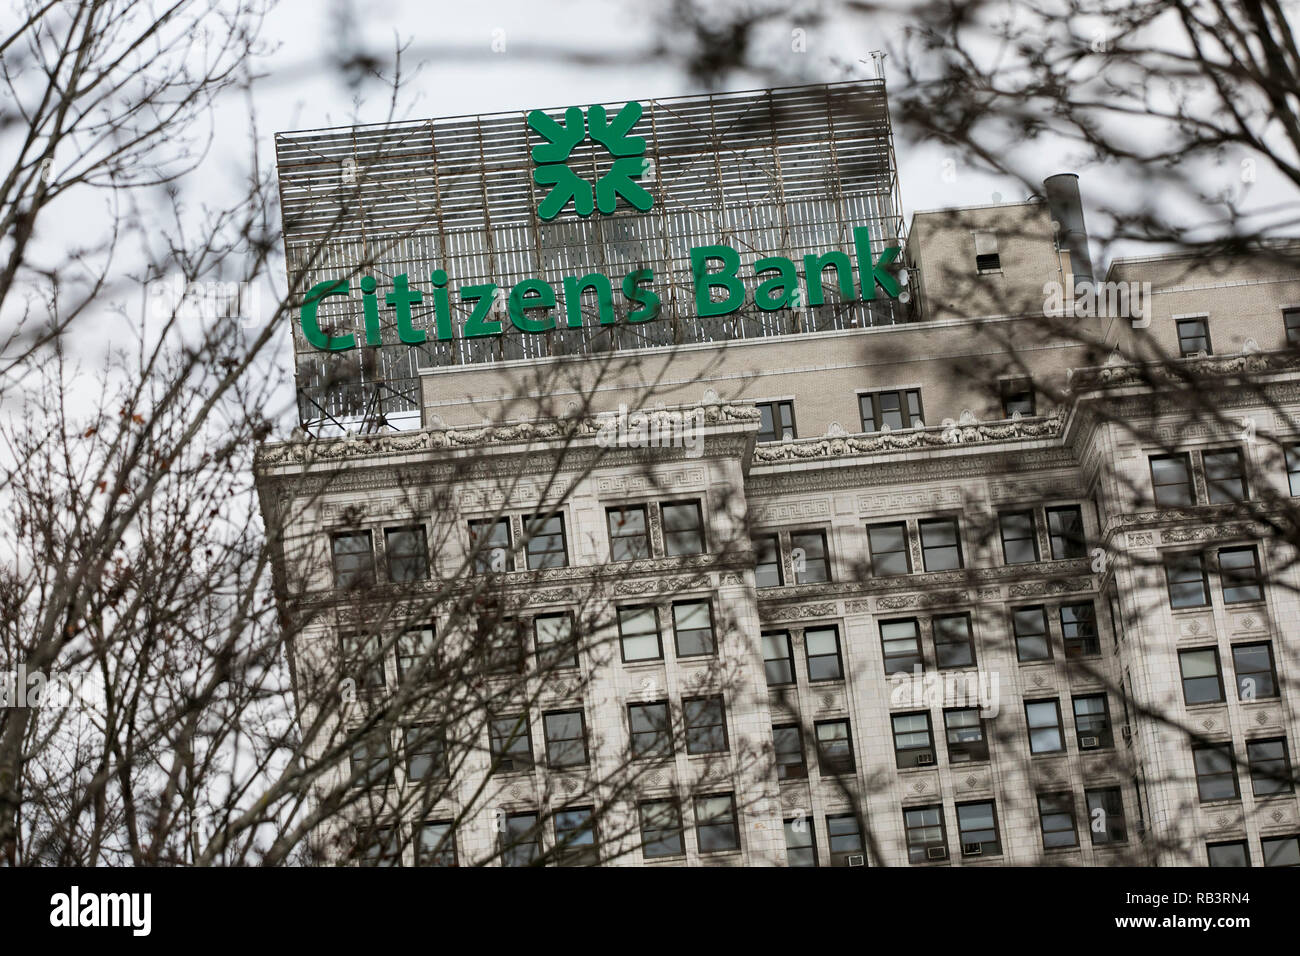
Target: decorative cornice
[[1186, 372]]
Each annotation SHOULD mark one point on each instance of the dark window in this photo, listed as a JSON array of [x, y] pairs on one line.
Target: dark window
[[987, 262], [823, 648], [354, 560], [705, 719], [683, 529], [638, 629], [651, 729], [1225, 475], [1079, 630], [1293, 469], [436, 844], [901, 641], [954, 645], [501, 645], [1019, 542], [913, 743], [1270, 767], [800, 844], [788, 745], [521, 840], [715, 823], [966, 738], [1216, 772], [408, 554], [977, 829], [1056, 818], [363, 661], [1281, 851], [1188, 584], [1065, 532], [1044, 720], [889, 554], [566, 738], [1029, 624], [629, 535], [895, 410], [511, 743], [693, 628], [1228, 854], [381, 846], [556, 646], [1106, 816], [776, 421], [426, 752], [661, 829], [844, 833], [1239, 575], [1171, 481], [812, 565], [1255, 670], [926, 837], [1092, 722], [1291, 322], [546, 546], [767, 562], [778, 660], [370, 762], [1193, 337], [834, 747], [1202, 680], [489, 543], [415, 650], [940, 544], [1017, 396], [575, 837]]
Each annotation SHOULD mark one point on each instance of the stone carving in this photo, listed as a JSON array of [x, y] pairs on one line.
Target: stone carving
[[795, 612]]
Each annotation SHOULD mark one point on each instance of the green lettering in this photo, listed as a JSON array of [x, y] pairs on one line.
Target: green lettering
[[371, 309], [813, 267], [644, 297], [706, 281], [401, 299], [307, 315], [872, 274], [573, 289], [787, 281], [519, 304], [441, 304], [476, 325]]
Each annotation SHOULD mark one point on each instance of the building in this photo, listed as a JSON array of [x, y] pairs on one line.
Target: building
[[993, 570]]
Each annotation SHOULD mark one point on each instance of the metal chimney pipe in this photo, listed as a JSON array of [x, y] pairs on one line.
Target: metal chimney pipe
[[1066, 207]]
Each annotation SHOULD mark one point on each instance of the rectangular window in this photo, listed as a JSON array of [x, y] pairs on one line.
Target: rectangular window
[[824, 660], [521, 840], [1239, 575], [889, 555], [629, 534], [553, 636], [490, 545], [1019, 542], [370, 762], [954, 646], [415, 650], [1079, 630], [1255, 670], [407, 553], [892, 410], [1106, 816], [812, 565], [926, 837], [767, 562], [1281, 851], [1202, 680], [844, 833], [800, 844], [776, 421], [1291, 322], [715, 823], [651, 729], [426, 752], [683, 529], [940, 544], [354, 560], [511, 743], [575, 837], [1188, 584], [1065, 532], [1029, 625], [1193, 337], [913, 744], [546, 545], [788, 745], [901, 641], [1233, 853], [1225, 475], [693, 628], [363, 661], [638, 629], [966, 738], [1216, 772], [1017, 397], [1044, 720], [501, 645], [661, 829], [977, 829], [435, 844], [1092, 722], [778, 659], [834, 747], [1293, 470], [1270, 767], [381, 846], [566, 739], [1056, 818], [1171, 481], [705, 720]]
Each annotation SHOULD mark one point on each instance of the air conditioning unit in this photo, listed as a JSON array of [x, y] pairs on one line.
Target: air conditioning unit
[[1127, 733], [1089, 743], [924, 760], [856, 859], [937, 852], [972, 849]]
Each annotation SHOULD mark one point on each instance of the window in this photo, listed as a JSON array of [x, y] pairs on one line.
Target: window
[[808, 555], [511, 743], [888, 543], [1291, 322], [553, 636], [370, 762], [566, 738], [892, 410], [1092, 722], [1029, 625], [705, 719], [977, 829], [1019, 542], [767, 561], [1281, 851], [661, 829], [629, 535], [986, 252], [913, 745], [926, 837], [787, 743], [953, 643], [363, 661], [776, 421], [1239, 575], [408, 554], [693, 628], [1065, 532], [1188, 585], [844, 833], [683, 529], [800, 845], [1106, 816], [1228, 854], [546, 546], [715, 823], [823, 648], [1216, 772], [575, 837], [1225, 475], [354, 561], [778, 659], [1056, 818], [1171, 481], [651, 729], [1079, 630], [1017, 397], [638, 629], [1270, 767], [901, 641], [834, 747], [1256, 673], [940, 544], [965, 732], [521, 840], [381, 846], [1044, 720], [1193, 337], [1202, 681], [426, 753], [501, 645], [489, 543], [988, 262], [435, 844], [415, 649], [1293, 469]]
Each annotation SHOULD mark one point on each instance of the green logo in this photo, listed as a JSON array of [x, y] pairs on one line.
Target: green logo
[[566, 185]]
